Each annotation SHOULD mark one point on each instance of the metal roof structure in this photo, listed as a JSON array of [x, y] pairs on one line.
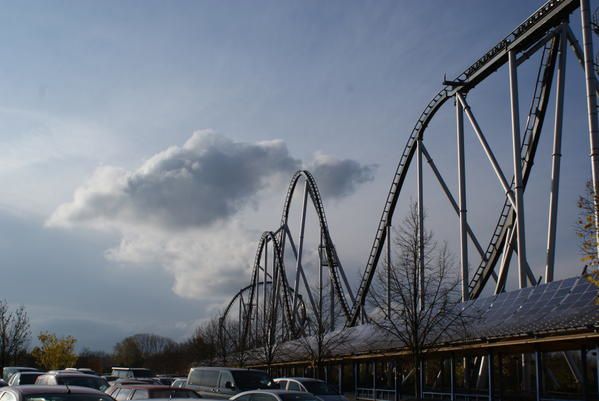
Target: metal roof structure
[[544, 312]]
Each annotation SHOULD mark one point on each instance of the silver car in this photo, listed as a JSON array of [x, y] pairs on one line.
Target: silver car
[[321, 389], [273, 395]]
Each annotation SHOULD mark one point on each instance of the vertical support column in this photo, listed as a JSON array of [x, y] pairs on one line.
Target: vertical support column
[[420, 226], [256, 332], [519, 189], [300, 249], [557, 154], [331, 304], [265, 294], [340, 375], [500, 375], [585, 379], [452, 377], [462, 200], [397, 380], [538, 375], [356, 378], [373, 380], [320, 294], [490, 376], [591, 84], [597, 367], [389, 268]]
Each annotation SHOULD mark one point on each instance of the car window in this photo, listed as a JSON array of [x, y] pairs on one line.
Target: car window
[[140, 395], [173, 393], [261, 397], [194, 376], [245, 397], [7, 396], [319, 388], [122, 395], [225, 376], [293, 386], [252, 380], [209, 378], [282, 384]]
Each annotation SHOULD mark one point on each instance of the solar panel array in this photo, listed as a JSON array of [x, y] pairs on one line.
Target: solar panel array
[[557, 307]]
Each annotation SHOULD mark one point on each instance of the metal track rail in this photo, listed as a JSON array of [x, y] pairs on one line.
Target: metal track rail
[[523, 37]]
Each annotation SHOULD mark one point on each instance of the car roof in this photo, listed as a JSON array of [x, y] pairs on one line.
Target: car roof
[[300, 379], [146, 386], [230, 369], [37, 389], [274, 391], [71, 374]]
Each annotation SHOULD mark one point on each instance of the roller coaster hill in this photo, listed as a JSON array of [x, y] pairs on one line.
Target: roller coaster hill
[[537, 341]]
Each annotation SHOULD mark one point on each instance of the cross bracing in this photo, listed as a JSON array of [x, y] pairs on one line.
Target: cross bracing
[[287, 300]]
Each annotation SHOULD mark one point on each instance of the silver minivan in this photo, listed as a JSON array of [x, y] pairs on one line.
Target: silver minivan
[[216, 382]]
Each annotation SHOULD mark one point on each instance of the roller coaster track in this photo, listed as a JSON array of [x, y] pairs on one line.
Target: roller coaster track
[[334, 265], [532, 31]]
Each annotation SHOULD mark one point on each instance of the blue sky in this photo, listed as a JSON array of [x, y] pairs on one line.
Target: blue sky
[[98, 96]]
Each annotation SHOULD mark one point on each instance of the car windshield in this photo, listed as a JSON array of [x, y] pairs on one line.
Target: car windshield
[[297, 397], [28, 378], [92, 382], [173, 393], [251, 380], [66, 397], [319, 388]]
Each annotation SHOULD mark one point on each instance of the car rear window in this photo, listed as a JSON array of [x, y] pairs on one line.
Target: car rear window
[[173, 393], [91, 382], [252, 380]]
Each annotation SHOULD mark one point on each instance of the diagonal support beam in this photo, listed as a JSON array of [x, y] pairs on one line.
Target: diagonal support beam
[[452, 201], [490, 155]]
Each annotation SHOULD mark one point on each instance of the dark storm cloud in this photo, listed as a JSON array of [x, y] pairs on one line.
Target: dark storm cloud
[[339, 178]]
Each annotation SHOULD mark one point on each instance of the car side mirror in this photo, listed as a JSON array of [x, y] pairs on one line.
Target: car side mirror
[[229, 385]]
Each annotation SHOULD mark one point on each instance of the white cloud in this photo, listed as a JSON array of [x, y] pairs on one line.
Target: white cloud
[[183, 207]]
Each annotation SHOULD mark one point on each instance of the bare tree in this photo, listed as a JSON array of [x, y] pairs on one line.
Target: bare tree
[[151, 344], [15, 333], [417, 306], [320, 340]]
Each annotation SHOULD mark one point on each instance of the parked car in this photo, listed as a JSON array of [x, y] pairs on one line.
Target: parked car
[[8, 371], [179, 382], [274, 395], [132, 373], [213, 382], [319, 388], [83, 370], [72, 379], [144, 392], [20, 378], [53, 393]]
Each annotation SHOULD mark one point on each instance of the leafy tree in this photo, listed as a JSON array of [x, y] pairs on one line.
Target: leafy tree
[[54, 352], [587, 232], [419, 315], [14, 333], [127, 353]]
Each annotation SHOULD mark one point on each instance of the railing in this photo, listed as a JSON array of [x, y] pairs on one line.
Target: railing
[[458, 396], [374, 394]]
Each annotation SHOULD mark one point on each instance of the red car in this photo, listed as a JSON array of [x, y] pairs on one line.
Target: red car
[[124, 392]]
